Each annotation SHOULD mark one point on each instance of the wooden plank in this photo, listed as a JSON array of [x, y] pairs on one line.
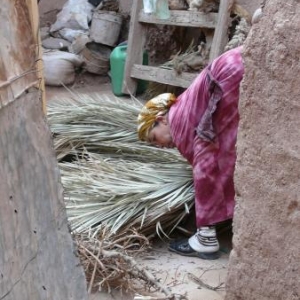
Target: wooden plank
[[221, 33], [161, 75], [135, 48], [183, 18]]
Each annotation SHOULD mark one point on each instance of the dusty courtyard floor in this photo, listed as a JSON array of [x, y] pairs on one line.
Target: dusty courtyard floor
[[194, 278]]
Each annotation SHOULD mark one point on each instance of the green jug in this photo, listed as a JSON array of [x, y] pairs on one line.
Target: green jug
[[117, 67]]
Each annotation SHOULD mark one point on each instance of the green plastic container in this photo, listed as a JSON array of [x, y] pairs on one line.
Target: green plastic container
[[117, 67]]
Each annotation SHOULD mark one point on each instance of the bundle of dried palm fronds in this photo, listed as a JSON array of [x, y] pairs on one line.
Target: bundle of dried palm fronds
[[119, 192], [111, 180]]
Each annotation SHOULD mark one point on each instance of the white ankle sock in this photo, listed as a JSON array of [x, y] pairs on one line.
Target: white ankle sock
[[205, 240]]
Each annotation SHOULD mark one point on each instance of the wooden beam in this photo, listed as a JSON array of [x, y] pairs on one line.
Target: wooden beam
[[135, 48], [221, 33], [162, 75], [183, 18]]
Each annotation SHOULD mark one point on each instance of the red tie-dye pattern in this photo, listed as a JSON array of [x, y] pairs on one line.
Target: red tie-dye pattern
[[213, 163]]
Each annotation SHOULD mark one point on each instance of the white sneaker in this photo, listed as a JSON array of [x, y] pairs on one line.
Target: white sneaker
[[205, 240]]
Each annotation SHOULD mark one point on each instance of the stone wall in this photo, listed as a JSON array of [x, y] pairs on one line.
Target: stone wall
[[264, 263]]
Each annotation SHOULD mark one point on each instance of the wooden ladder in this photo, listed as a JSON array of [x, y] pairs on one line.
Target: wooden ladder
[[134, 69]]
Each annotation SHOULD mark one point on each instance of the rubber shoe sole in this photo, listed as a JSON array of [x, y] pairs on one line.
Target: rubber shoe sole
[[183, 247]]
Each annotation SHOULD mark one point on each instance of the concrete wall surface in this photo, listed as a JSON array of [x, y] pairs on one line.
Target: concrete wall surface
[[264, 263]]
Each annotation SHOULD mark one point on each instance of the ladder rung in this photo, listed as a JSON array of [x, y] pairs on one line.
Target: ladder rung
[[162, 75], [183, 18]]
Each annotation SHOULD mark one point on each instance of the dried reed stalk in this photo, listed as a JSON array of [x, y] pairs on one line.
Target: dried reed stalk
[[110, 264]]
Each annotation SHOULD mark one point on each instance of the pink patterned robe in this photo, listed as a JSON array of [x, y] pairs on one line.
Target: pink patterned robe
[[203, 124]]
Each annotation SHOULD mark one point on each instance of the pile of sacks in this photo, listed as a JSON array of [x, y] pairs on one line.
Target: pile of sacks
[[69, 44]]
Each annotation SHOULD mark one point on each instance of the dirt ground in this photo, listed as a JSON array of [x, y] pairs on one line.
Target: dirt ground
[[186, 276], [191, 277]]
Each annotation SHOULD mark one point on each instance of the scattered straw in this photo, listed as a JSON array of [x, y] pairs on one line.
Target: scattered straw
[[110, 264]]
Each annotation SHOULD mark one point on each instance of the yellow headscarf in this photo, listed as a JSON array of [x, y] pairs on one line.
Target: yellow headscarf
[[157, 106]]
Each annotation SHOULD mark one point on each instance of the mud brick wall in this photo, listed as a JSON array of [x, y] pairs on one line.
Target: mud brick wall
[[264, 263]]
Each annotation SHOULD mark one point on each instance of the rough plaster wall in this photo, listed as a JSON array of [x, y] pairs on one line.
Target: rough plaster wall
[[264, 263], [37, 260]]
